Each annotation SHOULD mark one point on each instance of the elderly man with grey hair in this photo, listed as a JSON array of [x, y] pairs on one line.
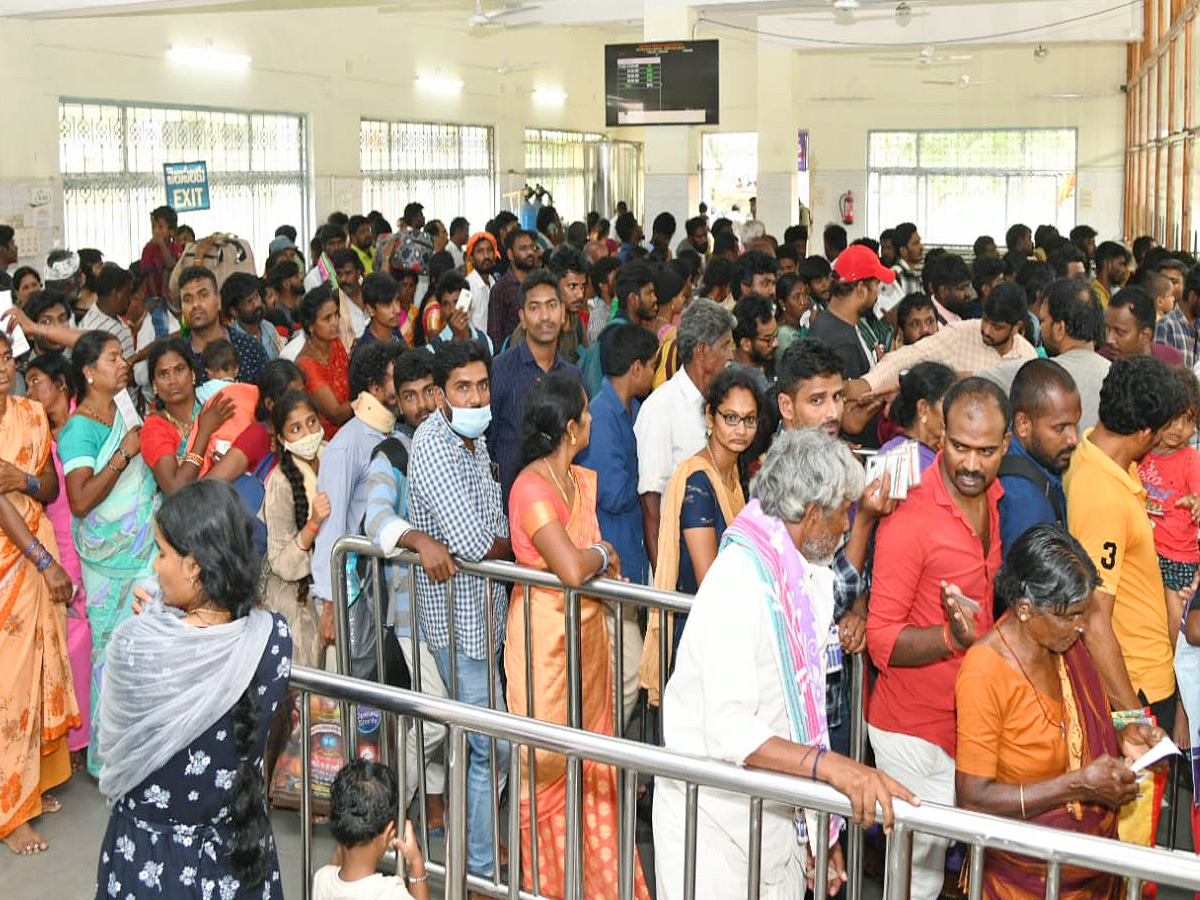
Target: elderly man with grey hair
[[670, 426], [749, 684]]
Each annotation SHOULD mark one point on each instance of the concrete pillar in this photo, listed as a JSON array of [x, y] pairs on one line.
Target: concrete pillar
[[671, 152], [778, 121]]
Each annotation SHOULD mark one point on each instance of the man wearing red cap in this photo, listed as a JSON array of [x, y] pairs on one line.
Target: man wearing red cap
[[855, 290], [482, 256]]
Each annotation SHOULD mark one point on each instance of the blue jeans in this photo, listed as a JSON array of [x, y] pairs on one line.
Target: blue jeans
[[473, 689]]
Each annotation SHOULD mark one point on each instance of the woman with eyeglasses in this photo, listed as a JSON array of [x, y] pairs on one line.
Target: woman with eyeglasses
[[702, 497]]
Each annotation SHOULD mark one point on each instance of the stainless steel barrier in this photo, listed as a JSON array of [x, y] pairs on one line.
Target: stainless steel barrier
[[980, 832], [619, 595]]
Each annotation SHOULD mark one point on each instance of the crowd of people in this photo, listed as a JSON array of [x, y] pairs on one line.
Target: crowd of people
[[187, 439]]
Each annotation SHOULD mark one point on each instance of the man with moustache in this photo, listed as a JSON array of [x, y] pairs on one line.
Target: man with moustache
[[241, 298], [385, 525], [931, 598], [1046, 409], [521, 366], [504, 301], [483, 254]]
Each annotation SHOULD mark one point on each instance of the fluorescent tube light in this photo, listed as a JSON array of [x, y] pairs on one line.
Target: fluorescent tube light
[[439, 84], [549, 95]]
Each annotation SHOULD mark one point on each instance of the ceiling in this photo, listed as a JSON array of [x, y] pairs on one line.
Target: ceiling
[[801, 23]]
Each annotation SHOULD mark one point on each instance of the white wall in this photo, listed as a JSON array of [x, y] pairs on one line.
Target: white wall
[[339, 65], [838, 131]]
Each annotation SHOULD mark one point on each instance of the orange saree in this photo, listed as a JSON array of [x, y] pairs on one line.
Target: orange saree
[[533, 503], [37, 695]]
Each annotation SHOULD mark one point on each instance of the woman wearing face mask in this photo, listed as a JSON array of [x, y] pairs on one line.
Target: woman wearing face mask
[[294, 510], [113, 497]]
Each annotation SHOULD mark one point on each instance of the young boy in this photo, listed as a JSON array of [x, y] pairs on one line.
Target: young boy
[[221, 365], [161, 252], [362, 818]]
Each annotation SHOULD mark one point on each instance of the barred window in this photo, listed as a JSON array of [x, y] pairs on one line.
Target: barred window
[[111, 156], [959, 184], [583, 170], [450, 169]]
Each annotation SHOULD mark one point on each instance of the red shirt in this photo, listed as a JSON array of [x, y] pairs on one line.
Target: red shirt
[[926, 541], [334, 375], [154, 267], [1167, 477]]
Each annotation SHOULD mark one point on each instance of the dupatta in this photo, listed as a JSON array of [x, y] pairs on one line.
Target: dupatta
[[666, 573]]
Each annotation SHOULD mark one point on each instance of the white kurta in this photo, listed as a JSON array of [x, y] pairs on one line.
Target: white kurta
[[724, 701]]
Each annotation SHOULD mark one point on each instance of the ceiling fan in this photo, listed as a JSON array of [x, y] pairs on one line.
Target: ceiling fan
[[962, 82], [481, 19], [506, 68], [848, 12], [926, 56]]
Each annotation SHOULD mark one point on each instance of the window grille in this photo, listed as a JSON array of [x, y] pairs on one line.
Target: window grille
[[583, 171], [111, 156], [957, 185], [450, 169]]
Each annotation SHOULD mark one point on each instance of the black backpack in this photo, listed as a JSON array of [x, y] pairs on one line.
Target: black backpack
[[1023, 467]]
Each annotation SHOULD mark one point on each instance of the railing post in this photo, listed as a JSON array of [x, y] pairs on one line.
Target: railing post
[[341, 624], [573, 870], [690, 824], [754, 850], [306, 850], [386, 733], [514, 824], [618, 643], [975, 878], [574, 669], [821, 876], [489, 616], [452, 637], [627, 854], [456, 813], [531, 767], [858, 751], [899, 863]]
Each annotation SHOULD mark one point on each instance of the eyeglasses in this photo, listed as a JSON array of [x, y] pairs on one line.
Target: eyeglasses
[[768, 338], [733, 420]]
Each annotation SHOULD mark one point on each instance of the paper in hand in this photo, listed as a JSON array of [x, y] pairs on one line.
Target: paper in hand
[[127, 410], [20, 343], [1164, 748]]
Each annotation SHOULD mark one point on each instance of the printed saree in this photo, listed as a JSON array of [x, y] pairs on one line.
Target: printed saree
[[37, 695], [115, 540], [532, 504]]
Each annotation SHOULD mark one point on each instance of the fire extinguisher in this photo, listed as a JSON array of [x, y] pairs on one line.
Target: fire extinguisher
[[846, 207]]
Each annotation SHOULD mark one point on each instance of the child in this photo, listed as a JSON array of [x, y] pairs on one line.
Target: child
[[221, 365], [363, 804], [1171, 475]]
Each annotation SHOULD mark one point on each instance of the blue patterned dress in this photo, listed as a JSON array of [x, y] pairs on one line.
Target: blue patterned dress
[[170, 836]]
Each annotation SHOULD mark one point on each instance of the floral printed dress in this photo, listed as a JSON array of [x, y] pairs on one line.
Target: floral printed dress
[[170, 836]]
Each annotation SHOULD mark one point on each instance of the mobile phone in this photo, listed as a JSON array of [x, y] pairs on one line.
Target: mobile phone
[[464, 301], [966, 602]]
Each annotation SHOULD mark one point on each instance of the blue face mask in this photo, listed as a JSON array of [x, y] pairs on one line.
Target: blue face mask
[[470, 422]]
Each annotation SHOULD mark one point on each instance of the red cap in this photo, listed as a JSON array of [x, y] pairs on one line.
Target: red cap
[[858, 263]]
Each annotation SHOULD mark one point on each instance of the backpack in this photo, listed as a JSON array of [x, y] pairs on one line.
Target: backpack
[[228, 254], [250, 486], [395, 668], [1019, 466]]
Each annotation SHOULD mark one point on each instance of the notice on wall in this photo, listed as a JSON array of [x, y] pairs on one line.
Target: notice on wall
[[187, 185]]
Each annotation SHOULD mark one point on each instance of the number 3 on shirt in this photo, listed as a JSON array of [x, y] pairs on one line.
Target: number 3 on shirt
[[1109, 557]]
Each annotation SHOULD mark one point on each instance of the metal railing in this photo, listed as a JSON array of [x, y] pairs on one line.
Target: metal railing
[[619, 595], [980, 832]]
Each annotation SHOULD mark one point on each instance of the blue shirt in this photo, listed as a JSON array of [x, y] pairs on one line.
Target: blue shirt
[[514, 373], [612, 454], [1024, 503]]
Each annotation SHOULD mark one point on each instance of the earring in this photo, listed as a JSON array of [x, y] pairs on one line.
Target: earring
[[922, 420], [572, 440], [89, 380]]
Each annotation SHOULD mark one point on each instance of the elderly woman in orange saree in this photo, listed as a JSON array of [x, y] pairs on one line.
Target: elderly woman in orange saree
[[37, 696], [552, 513], [1035, 736]]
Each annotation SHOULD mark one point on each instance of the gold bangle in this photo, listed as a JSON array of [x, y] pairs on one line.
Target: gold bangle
[[1024, 815]]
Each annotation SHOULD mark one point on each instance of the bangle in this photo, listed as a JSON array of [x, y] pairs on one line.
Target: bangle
[[820, 753], [604, 555], [315, 528], [44, 560], [33, 545], [949, 640], [1023, 813], [113, 468], [122, 451], [420, 880], [195, 459], [32, 484]]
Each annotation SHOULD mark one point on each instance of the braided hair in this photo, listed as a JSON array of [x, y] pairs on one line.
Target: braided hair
[[208, 521], [283, 408]]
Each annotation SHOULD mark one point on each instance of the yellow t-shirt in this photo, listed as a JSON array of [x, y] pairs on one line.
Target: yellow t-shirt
[[1106, 512]]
